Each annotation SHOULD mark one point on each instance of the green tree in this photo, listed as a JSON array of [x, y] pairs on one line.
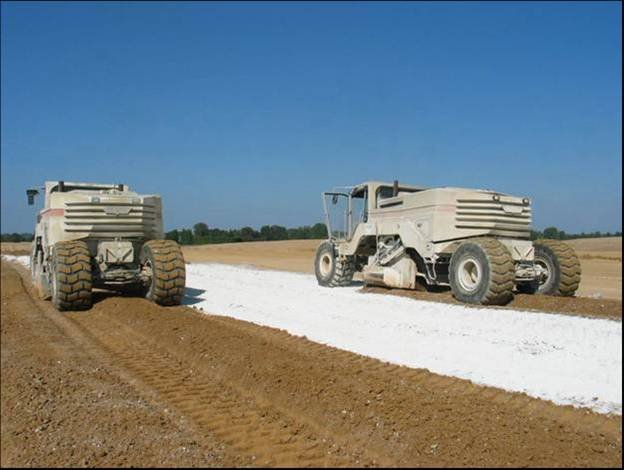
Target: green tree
[[186, 237], [273, 232], [173, 235], [319, 231], [249, 234], [16, 237], [200, 230], [551, 232], [265, 232]]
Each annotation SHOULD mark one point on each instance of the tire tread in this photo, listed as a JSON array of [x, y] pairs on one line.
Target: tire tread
[[570, 266], [502, 271], [169, 273], [72, 262]]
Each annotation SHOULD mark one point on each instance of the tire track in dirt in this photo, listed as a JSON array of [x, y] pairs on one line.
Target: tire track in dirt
[[370, 367], [410, 417], [64, 405], [265, 435]]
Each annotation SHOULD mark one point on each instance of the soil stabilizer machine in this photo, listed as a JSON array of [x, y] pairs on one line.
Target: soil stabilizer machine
[[102, 236], [475, 241]]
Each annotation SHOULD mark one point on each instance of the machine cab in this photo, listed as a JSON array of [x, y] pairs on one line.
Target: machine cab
[[346, 207]]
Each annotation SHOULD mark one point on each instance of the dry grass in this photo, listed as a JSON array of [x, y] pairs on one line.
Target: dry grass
[[21, 248], [607, 244]]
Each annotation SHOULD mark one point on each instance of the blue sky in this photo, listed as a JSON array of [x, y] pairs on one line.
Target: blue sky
[[242, 113]]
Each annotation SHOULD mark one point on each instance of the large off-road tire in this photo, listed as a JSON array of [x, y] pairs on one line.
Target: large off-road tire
[[482, 272], [563, 268], [164, 262], [330, 270], [70, 276]]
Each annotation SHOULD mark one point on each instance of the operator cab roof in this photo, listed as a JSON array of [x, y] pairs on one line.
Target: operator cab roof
[[64, 186], [376, 184]]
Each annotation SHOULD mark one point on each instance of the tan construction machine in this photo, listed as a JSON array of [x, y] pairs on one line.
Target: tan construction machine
[[475, 241], [102, 236]]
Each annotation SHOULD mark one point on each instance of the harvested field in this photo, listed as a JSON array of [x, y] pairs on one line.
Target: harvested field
[[292, 255], [601, 261], [21, 248], [601, 264], [609, 247], [131, 383]]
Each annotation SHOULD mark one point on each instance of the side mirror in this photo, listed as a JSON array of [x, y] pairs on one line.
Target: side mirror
[[31, 193], [335, 199]]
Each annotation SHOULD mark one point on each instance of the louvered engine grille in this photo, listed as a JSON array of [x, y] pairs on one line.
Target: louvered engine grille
[[491, 215], [105, 219]]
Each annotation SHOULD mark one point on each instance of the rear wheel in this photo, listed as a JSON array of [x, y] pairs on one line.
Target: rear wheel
[[559, 268], [163, 262], [482, 272], [70, 276], [330, 270]]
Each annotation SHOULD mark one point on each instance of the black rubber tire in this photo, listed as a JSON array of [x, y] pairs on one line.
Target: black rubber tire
[[496, 282], [566, 267], [71, 276], [168, 271], [338, 272]]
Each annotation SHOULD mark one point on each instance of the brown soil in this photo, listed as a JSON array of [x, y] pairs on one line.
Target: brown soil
[[581, 306], [130, 383], [601, 278], [594, 245], [292, 255], [64, 403], [21, 248]]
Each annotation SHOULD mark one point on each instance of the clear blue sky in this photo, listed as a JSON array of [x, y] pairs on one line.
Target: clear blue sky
[[242, 113]]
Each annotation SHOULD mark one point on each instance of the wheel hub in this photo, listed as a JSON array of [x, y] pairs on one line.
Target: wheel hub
[[147, 272], [325, 265], [469, 274], [543, 270]]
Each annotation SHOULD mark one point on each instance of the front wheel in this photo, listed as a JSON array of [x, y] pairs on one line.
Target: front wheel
[[482, 272], [330, 270], [163, 263]]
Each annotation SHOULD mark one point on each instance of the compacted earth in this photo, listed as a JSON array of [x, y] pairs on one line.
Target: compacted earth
[[128, 383]]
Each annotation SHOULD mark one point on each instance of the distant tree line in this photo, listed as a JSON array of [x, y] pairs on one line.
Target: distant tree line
[[16, 237], [201, 234], [555, 234]]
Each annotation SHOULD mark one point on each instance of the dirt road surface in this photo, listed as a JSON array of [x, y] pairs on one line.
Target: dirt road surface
[[131, 383]]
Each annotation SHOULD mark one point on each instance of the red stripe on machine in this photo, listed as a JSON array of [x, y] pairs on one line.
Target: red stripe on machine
[[52, 212]]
